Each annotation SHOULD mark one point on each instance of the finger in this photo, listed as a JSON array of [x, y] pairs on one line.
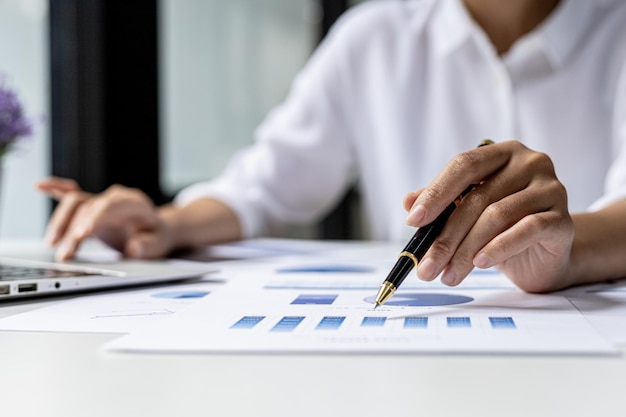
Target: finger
[[80, 227], [61, 183], [121, 205], [543, 252], [521, 236], [57, 187], [67, 249], [146, 245], [497, 219], [410, 198], [464, 219], [62, 216], [470, 167], [71, 242], [527, 185]]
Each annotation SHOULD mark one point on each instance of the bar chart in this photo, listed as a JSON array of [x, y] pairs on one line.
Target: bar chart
[[485, 321]]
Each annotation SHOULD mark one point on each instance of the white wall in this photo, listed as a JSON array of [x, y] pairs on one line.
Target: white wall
[[24, 64], [224, 65]]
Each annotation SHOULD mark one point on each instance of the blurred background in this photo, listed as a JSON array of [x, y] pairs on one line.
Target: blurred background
[[154, 94]]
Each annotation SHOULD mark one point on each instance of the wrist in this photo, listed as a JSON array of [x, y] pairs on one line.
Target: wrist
[[597, 250], [202, 222], [169, 217]]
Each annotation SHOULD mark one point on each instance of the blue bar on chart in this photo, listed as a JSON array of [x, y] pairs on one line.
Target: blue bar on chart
[[323, 299], [181, 294], [330, 323], [416, 322], [287, 324], [247, 322], [373, 321], [502, 323], [459, 322]]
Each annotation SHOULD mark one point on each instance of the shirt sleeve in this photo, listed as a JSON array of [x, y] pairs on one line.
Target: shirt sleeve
[[301, 162], [615, 183]]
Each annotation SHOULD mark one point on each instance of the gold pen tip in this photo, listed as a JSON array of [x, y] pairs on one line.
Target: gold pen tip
[[375, 305]]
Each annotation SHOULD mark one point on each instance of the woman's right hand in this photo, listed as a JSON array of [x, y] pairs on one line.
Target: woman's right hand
[[516, 219], [123, 218]]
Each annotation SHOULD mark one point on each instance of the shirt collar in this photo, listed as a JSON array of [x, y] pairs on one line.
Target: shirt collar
[[451, 26], [557, 36], [564, 28]]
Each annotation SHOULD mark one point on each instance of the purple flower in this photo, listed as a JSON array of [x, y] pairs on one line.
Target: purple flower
[[13, 123]]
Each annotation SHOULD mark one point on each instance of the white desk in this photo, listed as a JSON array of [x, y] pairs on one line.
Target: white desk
[[67, 375]]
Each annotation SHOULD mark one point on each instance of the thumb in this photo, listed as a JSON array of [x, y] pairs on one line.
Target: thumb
[[146, 245]]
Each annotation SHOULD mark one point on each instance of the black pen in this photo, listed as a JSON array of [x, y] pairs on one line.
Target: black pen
[[415, 250]]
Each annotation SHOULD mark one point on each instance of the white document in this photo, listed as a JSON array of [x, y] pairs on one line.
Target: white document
[[266, 248], [348, 266], [120, 311], [127, 310], [340, 321], [604, 306]]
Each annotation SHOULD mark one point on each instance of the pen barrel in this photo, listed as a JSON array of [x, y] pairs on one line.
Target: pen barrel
[[419, 244], [400, 270], [415, 250], [426, 235]]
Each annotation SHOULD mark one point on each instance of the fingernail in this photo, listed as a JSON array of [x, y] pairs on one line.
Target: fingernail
[[62, 252], [426, 270], [416, 215], [84, 230], [482, 260], [448, 277], [136, 250], [50, 238]]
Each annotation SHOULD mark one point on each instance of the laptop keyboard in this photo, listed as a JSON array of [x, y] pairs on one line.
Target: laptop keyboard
[[13, 272]]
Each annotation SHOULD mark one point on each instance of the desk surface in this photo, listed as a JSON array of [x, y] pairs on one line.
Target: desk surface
[[69, 375], [66, 374]]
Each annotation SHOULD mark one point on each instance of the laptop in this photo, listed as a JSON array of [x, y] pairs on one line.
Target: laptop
[[35, 273]]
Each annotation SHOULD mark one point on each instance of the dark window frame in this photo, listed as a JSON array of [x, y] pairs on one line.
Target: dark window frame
[[104, 80]]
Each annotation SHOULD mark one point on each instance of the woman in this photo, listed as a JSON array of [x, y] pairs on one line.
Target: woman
[[394, 92]]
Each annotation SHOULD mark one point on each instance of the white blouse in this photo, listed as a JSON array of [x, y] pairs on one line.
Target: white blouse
[[399, 87]]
